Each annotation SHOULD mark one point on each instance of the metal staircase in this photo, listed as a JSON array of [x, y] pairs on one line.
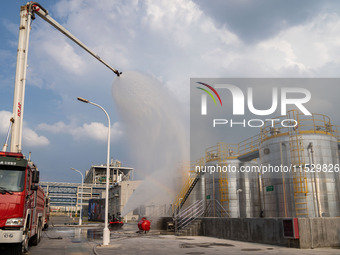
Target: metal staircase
[[188, 187], [189, 214], [197, 210], [297, 159]]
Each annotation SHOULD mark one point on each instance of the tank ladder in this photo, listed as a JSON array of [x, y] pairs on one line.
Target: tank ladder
[[218, 153], [223, 179], [188, 186], [297, 159]]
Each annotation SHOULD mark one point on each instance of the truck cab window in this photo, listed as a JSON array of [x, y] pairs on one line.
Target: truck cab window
[[12, 180]]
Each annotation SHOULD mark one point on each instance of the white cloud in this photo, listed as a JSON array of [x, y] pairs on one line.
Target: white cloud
[[30, 137], [4, 121], [94, 131], [173, 41], [304, 50], [64, 53], [170, 40], [68, 59], [163, 38]]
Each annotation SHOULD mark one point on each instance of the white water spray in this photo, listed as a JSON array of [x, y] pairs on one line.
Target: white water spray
[[155, 128]]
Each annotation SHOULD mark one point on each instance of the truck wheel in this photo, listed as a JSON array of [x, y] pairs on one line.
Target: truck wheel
[[37, 236], [39, 233], [24, 245]]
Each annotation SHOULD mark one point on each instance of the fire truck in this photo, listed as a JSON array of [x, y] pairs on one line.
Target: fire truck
[[22, 203], [24, 207]]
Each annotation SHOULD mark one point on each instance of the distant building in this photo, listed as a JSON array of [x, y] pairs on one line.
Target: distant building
[[121, 186], [119, 195], [118, 173], [68, 197]]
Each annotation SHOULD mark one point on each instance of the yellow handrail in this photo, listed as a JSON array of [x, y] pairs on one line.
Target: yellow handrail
[[189, 181]]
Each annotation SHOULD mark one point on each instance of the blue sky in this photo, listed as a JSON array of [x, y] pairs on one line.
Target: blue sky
[[171, 41]]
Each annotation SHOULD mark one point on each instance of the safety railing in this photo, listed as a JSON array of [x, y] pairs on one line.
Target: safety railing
[[232, 150], [274, 127], [188, 185], [336, 132], [189, 214], [221, 151], [215, 209], [316, 123], [198, 209], [249, 145], [304, 124], [216, 152]]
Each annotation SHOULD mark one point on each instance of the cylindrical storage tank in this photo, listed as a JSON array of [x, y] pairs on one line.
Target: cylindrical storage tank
[[310, 193], [277, 192], [248, 182], [236, 191]]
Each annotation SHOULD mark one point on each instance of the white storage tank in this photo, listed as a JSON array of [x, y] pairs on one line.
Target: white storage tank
[[312, 149], [237, 191]]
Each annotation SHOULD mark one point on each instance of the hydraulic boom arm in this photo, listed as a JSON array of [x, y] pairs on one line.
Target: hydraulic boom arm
[[43, 13], [27, 14]]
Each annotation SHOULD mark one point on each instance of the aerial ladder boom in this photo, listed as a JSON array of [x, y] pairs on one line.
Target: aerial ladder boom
[[27, 14]]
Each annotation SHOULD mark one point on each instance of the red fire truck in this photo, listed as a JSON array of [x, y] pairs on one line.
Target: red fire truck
[[22, 203], [24, 209]]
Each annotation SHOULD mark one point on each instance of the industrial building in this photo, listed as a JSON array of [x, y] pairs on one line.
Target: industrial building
[[65, 196], [121, 186], [284, 172], [119, 194], [71, 196], [97, 173]]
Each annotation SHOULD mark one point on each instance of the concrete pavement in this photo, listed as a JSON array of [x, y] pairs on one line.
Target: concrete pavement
[[76, 240], [157, 244], [60, 241]]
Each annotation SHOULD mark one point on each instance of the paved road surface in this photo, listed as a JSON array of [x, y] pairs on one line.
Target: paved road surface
[[74, 240]]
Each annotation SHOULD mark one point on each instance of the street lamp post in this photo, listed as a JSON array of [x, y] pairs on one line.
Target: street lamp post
[[81, 196], [106, 231], [126, 199]]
